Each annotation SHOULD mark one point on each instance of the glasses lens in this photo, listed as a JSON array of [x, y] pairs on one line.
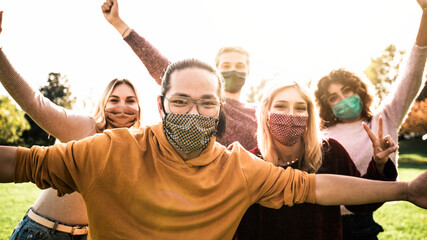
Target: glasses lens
[[179, 104], [208, 107]]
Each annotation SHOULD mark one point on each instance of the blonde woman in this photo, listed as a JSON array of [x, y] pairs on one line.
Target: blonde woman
[[288, 136], [53, 217]]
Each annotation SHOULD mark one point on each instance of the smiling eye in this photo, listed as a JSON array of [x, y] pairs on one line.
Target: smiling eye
[[179, 102], [225, 66], [346, 90], [240, 67], [208, 103], [280, 106], [332, 99], [302, 108]]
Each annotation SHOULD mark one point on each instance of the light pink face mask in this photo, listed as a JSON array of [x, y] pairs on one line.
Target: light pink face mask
[[121, 116], [287, 129]]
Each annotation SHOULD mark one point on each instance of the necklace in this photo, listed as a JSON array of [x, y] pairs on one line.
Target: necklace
[[287, 163]]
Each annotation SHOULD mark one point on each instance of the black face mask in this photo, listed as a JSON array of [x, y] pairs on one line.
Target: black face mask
[[234, 81]]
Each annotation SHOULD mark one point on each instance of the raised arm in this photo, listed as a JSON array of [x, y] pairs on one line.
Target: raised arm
[[410, 81], [152, 59], [422, 31], [63, 124]]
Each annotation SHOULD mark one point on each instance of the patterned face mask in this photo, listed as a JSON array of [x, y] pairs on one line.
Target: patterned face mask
[[121, 116], [287, 129], [348, 108], [189, 132], [234, 80]]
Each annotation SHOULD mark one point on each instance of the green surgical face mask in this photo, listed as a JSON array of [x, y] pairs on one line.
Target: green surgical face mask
[[348, 108]]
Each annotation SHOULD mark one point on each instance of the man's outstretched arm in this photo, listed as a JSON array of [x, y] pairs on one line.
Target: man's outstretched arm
[[7, 163], [338, 190]]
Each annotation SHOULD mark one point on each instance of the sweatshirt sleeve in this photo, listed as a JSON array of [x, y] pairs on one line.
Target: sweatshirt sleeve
[[66, 167], [337, 158], [153, 60], [273, 186], [65, 125], [407, 87], [390, 174]]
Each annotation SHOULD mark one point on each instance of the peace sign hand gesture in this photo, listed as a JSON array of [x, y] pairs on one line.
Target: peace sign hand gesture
[[383, 146]]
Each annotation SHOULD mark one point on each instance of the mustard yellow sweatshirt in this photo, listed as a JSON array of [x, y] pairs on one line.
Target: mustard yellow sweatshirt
[[136, 186]]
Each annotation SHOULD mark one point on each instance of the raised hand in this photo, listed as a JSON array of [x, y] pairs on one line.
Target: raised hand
[[110, 9], [422, 3], [383, 146]]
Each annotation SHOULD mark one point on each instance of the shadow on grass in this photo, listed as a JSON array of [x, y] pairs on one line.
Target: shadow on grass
[[412, 164], [413, 153]]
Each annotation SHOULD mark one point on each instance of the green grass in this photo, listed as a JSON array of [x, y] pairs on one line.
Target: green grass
[[403, 220], [413, 151], [15, 199]]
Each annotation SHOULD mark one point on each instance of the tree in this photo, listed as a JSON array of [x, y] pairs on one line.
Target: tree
[[383, 70], [12, 122], [416, 122], [58, 91], [423, 93], [255, 91]]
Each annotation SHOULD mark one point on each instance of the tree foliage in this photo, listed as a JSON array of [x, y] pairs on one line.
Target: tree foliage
[[416, 122], [12, 122], [383, 70], [255, 91], [58, 91]]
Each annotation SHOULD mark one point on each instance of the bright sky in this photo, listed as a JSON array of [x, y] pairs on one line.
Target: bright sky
[[301, 40]]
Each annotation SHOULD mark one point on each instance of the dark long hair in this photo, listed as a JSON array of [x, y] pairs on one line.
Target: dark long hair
[[345, 78]]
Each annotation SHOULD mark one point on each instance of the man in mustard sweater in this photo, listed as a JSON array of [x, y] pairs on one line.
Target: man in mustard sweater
[[173, 181]]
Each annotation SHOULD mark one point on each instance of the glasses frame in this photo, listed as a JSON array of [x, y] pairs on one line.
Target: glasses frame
[[191, 102]]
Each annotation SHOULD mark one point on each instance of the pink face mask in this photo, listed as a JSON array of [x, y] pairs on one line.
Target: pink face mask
[[287, 129], [121, 116]]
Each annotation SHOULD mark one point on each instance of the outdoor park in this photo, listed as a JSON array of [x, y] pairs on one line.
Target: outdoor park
[[400, 220]]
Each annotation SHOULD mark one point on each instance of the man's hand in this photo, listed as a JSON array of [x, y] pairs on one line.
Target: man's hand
[[110, 9], [417, 190]]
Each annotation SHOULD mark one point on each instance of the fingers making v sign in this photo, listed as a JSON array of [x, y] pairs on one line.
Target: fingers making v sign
[[383, 146]]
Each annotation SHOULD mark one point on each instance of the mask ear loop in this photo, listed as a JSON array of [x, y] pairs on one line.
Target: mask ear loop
[[162, 98], [268, 119]]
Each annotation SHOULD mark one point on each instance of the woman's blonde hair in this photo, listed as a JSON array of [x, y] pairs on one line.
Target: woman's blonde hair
[[99, 112], [312, 159]]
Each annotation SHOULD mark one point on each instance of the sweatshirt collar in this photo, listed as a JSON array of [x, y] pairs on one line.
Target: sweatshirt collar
[[212, 151]]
